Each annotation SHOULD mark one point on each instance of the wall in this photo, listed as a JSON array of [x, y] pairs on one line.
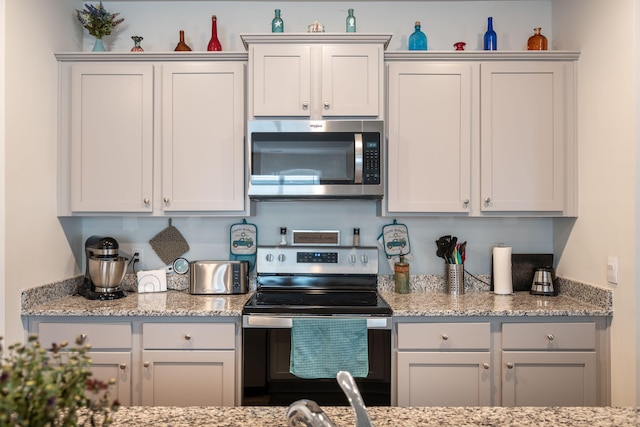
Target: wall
[[2, 167], [37, 250], [607, 161]]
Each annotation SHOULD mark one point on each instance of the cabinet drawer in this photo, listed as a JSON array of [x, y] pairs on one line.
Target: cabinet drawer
[[444, 336], [100, 336], [548, 336], [188, 336]]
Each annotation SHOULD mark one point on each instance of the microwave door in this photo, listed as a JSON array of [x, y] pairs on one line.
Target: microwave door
[[357, 145]]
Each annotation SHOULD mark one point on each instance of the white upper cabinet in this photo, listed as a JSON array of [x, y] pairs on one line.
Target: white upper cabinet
[[163, 135], [316, 76], [429, 152], [481, 134], [522, 123], [203, 136], [110, 140]]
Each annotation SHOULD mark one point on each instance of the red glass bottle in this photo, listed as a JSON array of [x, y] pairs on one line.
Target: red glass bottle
[[214, 43]]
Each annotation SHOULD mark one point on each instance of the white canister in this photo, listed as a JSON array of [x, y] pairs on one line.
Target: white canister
[[502, 279]]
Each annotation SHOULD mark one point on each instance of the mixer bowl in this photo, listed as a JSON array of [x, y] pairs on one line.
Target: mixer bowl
[[107, 272]]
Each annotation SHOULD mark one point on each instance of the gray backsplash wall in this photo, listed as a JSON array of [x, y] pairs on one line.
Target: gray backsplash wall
[[209, 237]]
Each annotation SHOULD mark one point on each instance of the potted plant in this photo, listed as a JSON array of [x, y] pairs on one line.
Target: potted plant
[[40, 387], [98, 22]]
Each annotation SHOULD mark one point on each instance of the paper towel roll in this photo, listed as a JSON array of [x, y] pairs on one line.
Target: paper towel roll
[[502, 284]]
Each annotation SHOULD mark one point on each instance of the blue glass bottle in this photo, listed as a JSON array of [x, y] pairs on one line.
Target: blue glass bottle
[[277, 24], [417, 40], [490, 38], [351, 22]]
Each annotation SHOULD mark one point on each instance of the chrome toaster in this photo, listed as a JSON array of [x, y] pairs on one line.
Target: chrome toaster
[[218, 277]]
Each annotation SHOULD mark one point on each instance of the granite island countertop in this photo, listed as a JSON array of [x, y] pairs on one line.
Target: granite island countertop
[[275, 416]]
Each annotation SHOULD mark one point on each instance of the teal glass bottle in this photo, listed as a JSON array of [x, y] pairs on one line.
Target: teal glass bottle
[[490, 38], [277, 24], [417, 40], [351, 22]]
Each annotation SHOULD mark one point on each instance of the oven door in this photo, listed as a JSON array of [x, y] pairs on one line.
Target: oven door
[[266, 361]]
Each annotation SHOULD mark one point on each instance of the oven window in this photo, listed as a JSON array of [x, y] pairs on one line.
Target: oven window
[[302, 158], [267, 381]]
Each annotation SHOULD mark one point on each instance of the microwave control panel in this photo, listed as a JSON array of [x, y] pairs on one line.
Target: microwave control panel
[[371, 159]]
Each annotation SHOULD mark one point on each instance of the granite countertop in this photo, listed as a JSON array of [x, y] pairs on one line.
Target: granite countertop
[[275, 416], [60, 299]]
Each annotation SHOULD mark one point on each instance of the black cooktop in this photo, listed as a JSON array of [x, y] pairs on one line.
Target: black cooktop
[[321, 302]]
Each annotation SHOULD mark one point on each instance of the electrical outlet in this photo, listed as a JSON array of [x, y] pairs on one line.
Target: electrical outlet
[[612, 270], [137, 253]]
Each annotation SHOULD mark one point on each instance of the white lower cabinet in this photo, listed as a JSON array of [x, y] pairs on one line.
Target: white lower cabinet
[[157, 363], [444, 364], [188, 364], [550, 364], [513, 362], [111, 351]]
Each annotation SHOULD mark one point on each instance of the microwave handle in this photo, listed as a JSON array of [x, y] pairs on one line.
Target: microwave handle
[[357, 178]]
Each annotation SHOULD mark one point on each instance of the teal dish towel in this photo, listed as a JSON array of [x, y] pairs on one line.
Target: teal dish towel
[[322, 347]]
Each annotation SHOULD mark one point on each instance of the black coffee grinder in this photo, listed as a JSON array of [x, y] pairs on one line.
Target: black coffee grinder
[[104, 269]]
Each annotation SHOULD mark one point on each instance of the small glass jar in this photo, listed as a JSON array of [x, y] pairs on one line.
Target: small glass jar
[[136, 44], [537, 41], [283, 236], [401, 276], [351, 22], [356, 237], [277, 24]]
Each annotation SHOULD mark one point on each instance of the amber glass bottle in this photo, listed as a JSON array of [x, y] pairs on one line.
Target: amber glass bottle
[[537, 41]]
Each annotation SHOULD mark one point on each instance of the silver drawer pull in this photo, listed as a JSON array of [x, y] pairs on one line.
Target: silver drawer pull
[[485, 365], [187, 337], [445, 337], [509, 365], [550, 337], [146, 364], [122, 366], [83, 337]]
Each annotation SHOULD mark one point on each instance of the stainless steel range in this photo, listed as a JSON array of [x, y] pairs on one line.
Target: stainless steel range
[[319, 283]]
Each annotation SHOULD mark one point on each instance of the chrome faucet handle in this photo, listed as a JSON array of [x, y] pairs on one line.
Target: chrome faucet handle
[[348, 385], [307, 413]]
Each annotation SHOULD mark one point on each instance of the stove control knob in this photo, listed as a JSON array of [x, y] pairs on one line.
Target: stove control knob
[[269, 257], [281, 257], [365, 259], [353, 258]]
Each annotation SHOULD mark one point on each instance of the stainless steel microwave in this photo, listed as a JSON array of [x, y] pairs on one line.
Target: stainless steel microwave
[[337, 159]]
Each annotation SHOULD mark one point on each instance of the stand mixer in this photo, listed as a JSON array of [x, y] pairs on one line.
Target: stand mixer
[[104, 269]]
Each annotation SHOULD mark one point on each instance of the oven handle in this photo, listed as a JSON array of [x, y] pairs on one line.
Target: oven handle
[[283, 322]]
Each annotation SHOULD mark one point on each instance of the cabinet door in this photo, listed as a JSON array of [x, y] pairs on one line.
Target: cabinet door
[[281, 80], [351, 80], [203, 137], [522, 136], [111, 137], [117, 365], [429, 163], [188, 378], [444, 379], [548, 378]]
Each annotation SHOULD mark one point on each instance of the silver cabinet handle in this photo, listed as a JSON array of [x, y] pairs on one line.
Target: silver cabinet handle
[[146, 364], [83, 337], [509, 365], [122, 366], [146, 200], [305, 105], [445, 337], [465, 201], [487, 200], [550, 337], [166, 200], [187, 337], [326, 105], [485, 365]]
